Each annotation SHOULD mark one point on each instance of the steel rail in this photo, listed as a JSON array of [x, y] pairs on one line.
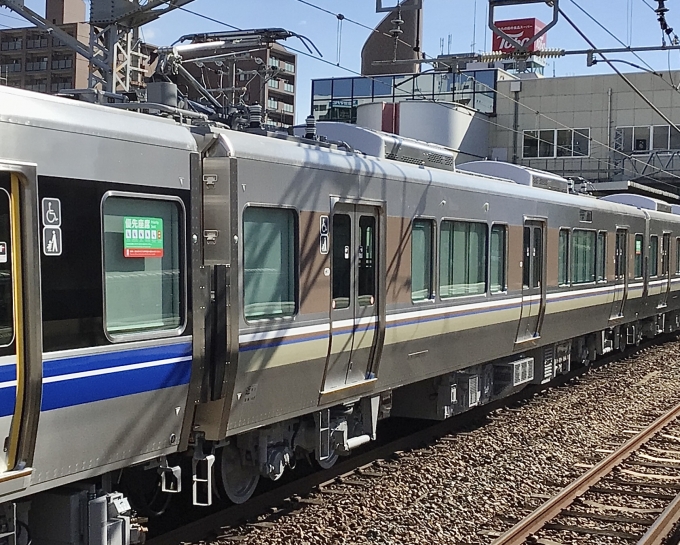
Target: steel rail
[[535, 521], [663, 526]]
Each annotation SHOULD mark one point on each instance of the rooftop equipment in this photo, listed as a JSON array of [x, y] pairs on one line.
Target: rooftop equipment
[[518, 174], [641, 201], [385, 145]]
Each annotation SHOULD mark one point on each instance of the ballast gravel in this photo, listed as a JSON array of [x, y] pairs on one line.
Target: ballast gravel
[[469, 487]]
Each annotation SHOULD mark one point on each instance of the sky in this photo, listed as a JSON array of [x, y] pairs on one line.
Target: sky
[[465, 21]]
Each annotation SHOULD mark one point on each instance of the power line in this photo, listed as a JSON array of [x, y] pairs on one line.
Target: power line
[[342, 17], [624, 78], [610, 33]]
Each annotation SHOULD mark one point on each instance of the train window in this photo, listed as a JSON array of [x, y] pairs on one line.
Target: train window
[[677, 255], [6, 290], [538, 258], [654, 255], [143, 275], [526, 264], [601, 259], [366, 293], [583, 254], [563, 258], [639, 255], [620, 255], [497, 260], [462, 266], [342, 260], [665, 253], [269, 263], [421, 260]]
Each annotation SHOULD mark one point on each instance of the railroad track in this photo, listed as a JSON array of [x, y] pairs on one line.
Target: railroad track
[[632, 495], [354, 475]]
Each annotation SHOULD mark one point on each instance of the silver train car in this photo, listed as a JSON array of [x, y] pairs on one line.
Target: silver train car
[[180, 296]]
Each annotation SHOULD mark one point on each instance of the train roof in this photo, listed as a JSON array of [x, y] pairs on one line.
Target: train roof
[[134, 141], [307, 154]]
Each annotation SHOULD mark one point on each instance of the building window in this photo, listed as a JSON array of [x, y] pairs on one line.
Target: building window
[[421, 260], [143, 265], [462, 259], [11, 44], [36, 41], [551, 143], [497, 259], [584, 244], [654, 255], [563, 258], [36, 64], [269, 263], [646, 138], [639, 255]]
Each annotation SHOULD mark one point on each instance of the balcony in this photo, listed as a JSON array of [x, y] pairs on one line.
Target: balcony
[[288, 108], [11, 45], [10, 67], [62, 64], [273, 83], [272, 104], [289, 67], [36, 43], [289, 87], [36, 66]]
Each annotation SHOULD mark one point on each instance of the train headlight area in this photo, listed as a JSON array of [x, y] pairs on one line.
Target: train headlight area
[[186, 308]]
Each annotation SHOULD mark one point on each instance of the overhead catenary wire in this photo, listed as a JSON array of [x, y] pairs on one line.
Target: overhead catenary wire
[[362, 25], [611, 34], [620, 74], [448, 106]]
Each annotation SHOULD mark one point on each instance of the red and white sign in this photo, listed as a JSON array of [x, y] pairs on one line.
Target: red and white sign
[[521, 30]]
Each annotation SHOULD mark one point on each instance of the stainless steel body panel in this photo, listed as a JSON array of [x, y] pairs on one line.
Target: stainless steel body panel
[[71, 139], [281, 362]]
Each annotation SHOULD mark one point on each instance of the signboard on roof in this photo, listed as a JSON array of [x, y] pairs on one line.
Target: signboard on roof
[[521, 30]]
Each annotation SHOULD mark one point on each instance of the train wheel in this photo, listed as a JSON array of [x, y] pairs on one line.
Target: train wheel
[[143, 488], [235, 479], [328, 462]]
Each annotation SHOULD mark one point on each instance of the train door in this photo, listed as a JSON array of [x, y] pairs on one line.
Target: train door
[[533, 272], [354, 306], [620, 274], [20, 323], [665, 268]]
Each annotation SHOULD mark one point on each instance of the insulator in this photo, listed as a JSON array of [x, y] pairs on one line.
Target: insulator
[[396, 32], [310, 131], [549, 53], [493, 56], [397, 22], [255, 112]]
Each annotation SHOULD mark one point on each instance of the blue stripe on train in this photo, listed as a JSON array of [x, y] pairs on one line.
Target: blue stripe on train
[[76, 391], [67, 393]]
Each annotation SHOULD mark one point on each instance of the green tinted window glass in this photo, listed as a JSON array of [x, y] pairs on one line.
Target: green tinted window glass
[[269, 251], [463, 259], [563, 258], [421, 260], [143, 276], [654, 255], [601, 264], [497, 264], [583, 256], [639, 255]]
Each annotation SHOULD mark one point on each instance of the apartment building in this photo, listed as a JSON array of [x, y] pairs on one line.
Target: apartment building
[[32, 59]]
